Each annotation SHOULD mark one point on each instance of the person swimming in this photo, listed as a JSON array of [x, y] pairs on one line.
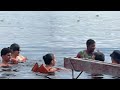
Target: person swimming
[[50, 61], [6, 56], [15, 52], [98, 56], [88, 53], [115, 57]]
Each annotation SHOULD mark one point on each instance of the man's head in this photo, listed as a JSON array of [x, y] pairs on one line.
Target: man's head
[[15, 49], [6, 54], [90, 45], [99, 56]]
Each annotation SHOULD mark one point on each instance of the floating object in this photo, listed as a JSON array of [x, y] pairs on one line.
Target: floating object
[[91, 66], [97, 15], [78, 20]]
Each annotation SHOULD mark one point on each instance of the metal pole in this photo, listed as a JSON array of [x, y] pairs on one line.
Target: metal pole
[[79, 74], [72, 74]]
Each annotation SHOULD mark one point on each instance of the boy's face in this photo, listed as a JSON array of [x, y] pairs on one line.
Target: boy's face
[[54, 61], [7, 57], [16, 53], [91, 47]]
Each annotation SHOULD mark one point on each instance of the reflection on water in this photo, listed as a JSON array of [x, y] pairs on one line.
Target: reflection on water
[[6, 73]]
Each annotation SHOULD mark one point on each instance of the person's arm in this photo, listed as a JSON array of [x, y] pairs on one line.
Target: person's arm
[[21, 58], [52, 69], [63, 69]]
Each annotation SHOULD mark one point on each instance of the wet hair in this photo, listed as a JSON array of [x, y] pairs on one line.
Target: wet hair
[[4, 51], [15, 47], [48, 58], [90, 42], [99, 56], [116, 56]]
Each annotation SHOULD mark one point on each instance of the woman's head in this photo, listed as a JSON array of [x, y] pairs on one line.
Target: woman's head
[[49, 59], [15, 48]]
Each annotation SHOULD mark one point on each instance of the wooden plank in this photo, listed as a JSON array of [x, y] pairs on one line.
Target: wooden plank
[[92, 66]]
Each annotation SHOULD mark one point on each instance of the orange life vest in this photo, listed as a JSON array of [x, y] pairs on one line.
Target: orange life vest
[[43, 69], [20, 58], [35, 67]]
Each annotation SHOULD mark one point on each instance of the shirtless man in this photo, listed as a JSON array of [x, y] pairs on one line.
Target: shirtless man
[[88, 53], [6, 56]]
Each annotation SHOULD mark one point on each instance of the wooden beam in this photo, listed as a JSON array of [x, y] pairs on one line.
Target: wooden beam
[[92, 66]]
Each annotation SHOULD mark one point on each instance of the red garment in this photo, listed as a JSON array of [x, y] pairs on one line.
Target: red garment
[[35, 67], [42, 69], [78, 56]]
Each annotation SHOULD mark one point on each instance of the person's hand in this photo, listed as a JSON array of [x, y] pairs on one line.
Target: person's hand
[[64, 69]]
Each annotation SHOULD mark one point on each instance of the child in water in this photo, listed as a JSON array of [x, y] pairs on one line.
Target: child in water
[[15, 52], [99, 56], [50, 61], [6, 56], [115, 57]]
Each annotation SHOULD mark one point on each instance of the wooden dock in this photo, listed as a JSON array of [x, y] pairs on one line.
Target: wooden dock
[[92, 66]]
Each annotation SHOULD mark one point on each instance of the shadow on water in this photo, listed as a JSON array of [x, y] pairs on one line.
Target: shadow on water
[[97, 76]]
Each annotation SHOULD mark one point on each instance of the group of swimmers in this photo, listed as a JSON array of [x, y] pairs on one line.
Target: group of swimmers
[[90, 53], [11, 56]]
